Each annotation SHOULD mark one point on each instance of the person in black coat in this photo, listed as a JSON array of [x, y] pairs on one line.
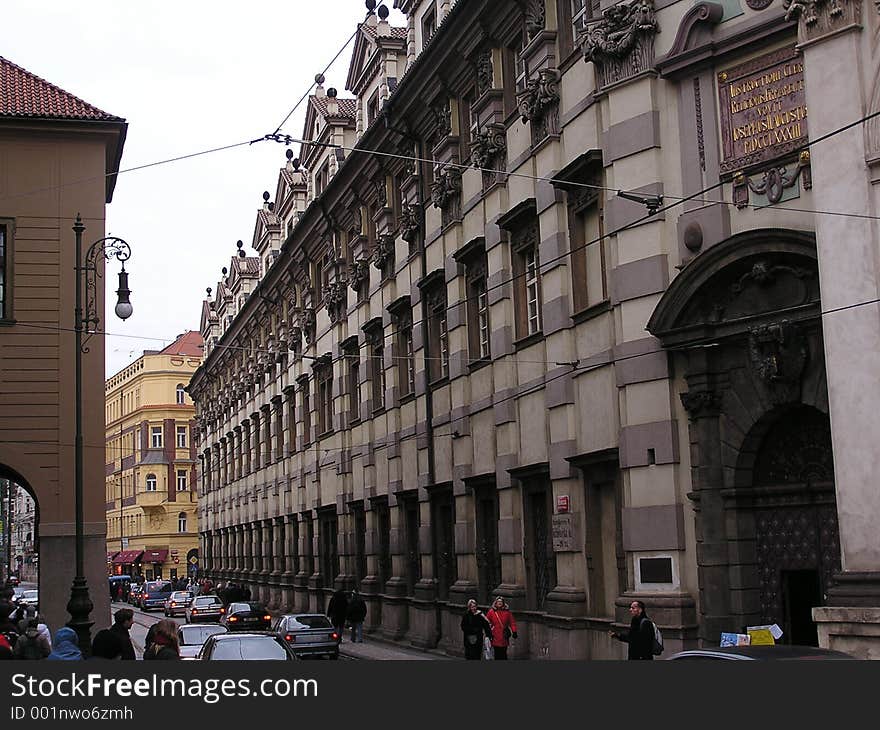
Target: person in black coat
[[474, 626], [640, 636], [337, 610], [357, 612]]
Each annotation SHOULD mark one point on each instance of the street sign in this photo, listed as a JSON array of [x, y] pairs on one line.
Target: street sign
[[124, 543]]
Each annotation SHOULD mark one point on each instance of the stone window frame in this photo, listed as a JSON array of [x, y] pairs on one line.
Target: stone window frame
[[305, 408], [180, 394], [151, 483], [323, 377], [181, 431], [351, 357], [473, 257], [181, 523], [524, 236], [181, 481], [157, 437], [428, 25], [404, 348], [433, 288], [375, 341], [580, 200]]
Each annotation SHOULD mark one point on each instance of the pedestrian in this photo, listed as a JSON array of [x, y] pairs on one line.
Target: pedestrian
[[474, 627], [31, 644], [337, 610], [503, 627], [8, 627], [356, 613], [119, 592], [164, 641], [640, 636], [5, 648], [123, 620], [106, 645], [65, 645]]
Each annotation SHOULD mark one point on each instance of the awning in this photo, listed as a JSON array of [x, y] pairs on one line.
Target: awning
[[111, 554], [127, 557], [155, 556]]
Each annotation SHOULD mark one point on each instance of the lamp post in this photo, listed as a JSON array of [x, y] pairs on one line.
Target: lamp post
[[87, 274]]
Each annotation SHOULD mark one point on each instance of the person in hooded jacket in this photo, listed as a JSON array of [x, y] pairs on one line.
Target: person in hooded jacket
[[165, 644], [31, 644], [65, 645], [640, 636], [474, 626], [356, 614], [503, 627]]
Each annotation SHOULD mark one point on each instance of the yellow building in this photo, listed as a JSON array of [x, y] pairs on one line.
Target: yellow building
[[150, 464]]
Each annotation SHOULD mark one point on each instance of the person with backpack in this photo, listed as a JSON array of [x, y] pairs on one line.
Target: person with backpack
[[32, 644], [66, 646], [640, 636]]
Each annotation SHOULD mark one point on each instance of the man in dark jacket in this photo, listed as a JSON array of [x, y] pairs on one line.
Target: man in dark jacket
[[337, 610], [357, 612], [123, 620], [640, 636]]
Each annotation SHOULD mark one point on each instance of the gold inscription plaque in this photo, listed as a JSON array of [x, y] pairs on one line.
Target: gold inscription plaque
[[763, 109]]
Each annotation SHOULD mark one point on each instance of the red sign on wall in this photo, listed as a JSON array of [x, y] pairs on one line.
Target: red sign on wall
[[562, 504]]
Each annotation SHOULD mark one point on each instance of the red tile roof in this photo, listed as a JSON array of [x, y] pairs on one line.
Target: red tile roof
[[189, 344], [23, 94], [347, 106]]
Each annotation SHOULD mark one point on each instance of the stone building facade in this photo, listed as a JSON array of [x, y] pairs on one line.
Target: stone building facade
[[541, 316], [150, 470]]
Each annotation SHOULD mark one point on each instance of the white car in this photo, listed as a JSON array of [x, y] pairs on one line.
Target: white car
[[192, 636], [176, 603]]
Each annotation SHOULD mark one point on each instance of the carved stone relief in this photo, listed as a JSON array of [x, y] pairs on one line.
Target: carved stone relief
[[622, 43], [817, 18], [778, 355], [538, 103]]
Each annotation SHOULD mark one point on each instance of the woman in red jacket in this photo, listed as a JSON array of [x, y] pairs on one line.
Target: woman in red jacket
[[503, 627]]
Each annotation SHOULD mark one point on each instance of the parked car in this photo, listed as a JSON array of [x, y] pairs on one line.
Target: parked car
[[192, 637], [308, 634], [251, 645], [204, 608], [778, 652], [176, 603], [250, 616], [154, 594]]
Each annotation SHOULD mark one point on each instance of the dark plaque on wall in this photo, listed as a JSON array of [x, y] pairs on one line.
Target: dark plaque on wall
[[655, 570], [763, 109]]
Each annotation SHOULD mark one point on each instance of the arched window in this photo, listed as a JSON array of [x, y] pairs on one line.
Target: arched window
[[181, 522], [151, 482], [180, 394]]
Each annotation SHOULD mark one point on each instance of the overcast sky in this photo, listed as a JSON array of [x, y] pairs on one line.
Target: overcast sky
[[187, 76]]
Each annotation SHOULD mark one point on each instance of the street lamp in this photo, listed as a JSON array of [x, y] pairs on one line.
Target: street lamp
[[87, 274]]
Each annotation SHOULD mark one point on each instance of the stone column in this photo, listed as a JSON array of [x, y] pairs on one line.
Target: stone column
[[370, 586], [265, 532], [839, 91], [266, 434], [423, 628], [289, 561], [395, 615], [303, 566], [246, 445], [256, 461], [316, 580], [276, 536]]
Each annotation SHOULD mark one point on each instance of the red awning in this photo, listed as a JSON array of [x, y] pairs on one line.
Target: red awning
[[111, 554], [155, 556], [127, 557]]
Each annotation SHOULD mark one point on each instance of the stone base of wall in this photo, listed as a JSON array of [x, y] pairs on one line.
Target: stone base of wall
[[854, 630]]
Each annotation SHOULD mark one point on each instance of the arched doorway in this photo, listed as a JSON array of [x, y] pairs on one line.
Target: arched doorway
[[791, 498]]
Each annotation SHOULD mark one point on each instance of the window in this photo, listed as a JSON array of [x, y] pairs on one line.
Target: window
[[401, 314], [377, 366], [322, 178], [438, 336], [324, 392], [533, 305], [5, 289], [473, 256], [466, 122], [155, 437], [181, 522], [181, 395], [589, 284], [306, 409], [181, 437], [181, 480], [354, 381], [515, 71], [429, 26], [373, 108], [151, 482]]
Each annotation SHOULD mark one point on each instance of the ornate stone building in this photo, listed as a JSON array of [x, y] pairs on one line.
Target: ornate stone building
[[541, 315]]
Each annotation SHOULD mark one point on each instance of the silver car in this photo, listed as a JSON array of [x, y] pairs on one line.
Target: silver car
[[176, 603], [192, 636], [204, 608]]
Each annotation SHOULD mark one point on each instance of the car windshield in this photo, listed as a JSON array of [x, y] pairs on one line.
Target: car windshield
[[246, 607], [196, 635], [179, 596], [206, 600], [30, 595], [249, 647], [308, 622], [157, 587]]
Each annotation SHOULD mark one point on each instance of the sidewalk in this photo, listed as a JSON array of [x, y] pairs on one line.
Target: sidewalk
[[377, 649]]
